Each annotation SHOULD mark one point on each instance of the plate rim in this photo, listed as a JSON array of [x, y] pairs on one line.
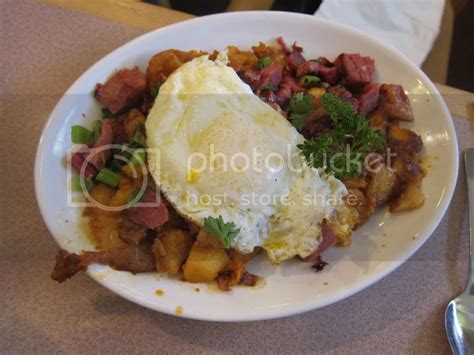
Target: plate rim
[[279, 312]]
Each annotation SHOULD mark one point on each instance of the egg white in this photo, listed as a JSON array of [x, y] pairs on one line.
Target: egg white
[[203, 124]]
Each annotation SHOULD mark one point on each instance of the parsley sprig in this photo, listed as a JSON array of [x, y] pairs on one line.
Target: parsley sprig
[[342, 151], [225, 232], [299, 108]]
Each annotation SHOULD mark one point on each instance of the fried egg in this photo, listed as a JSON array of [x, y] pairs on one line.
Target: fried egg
[[218, 150]]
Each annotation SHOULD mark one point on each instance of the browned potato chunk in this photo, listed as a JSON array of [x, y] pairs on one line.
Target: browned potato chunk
[[241, 60], [274, 52], [102, 194], [356, 199], [162, 64], [359, 182], [133, 120], [411, 198], [204, 262], [378, 120], [404, 140], [205, 238], [171, 248], [407, 169], [380, 188]]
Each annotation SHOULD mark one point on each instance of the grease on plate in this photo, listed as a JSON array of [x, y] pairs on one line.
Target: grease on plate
[[159, 293], [179, 310]]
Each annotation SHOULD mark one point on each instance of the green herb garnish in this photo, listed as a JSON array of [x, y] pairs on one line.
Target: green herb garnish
[[264, 62], [225, 232], [300, 103], [342, 151], [310, 80], [299, 108]]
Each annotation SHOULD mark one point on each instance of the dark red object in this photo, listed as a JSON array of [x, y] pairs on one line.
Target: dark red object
[[121, 90], [357, 71], [330, 75], [308, 67], [369, 99], [294, 59], [344, 94], [150, 217], [78, 159], [270, 75], [329, 239], [100, 153], [284, 47]]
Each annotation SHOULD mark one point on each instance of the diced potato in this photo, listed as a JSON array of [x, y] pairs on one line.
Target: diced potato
[[378, 120], [356, 183], [123, 194], [205, 238], [241, 60], [133, 120], [102, 193], [274, 52], [317, 93], [407, 170], [411, 198], [204, 263], [104, 227], [404, 140], [136, 172], [162, 64], [356, 199], [380, 188], [171, 249]]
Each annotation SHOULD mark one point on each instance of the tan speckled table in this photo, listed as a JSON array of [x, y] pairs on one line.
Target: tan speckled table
[[43, 50]]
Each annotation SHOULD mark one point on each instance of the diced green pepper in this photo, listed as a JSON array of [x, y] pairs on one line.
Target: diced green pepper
[[81, 135], [108, 177]]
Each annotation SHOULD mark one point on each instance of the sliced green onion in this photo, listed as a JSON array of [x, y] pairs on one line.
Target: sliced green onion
[[138, 157], [96, 129], [81, 135], [106, 113], [270, 87], [310, 80], [298, 120], [108, 177], [155, 90], [76, 184], [264, 62]]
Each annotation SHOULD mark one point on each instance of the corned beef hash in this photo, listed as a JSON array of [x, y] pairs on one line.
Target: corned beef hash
[[209, 159]]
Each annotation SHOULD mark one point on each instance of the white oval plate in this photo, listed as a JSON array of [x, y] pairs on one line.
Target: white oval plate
[[378, 247]]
